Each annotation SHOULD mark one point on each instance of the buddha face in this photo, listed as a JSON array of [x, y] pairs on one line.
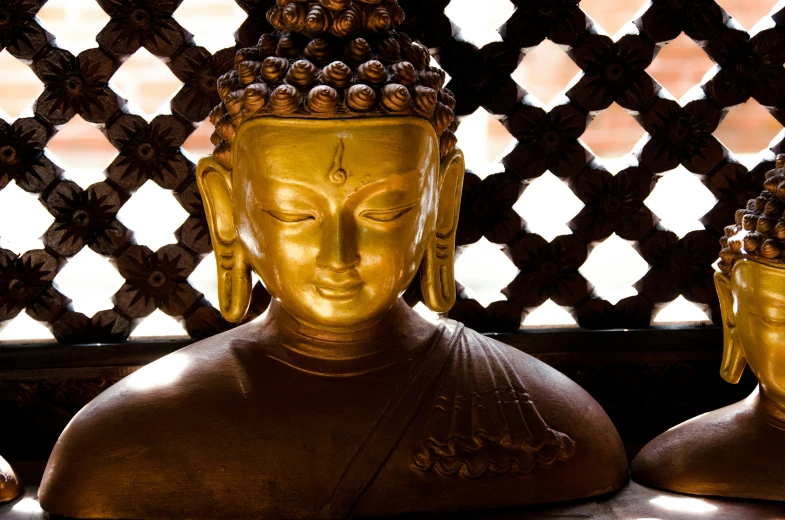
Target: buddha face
[[753, 308], [334, 215]]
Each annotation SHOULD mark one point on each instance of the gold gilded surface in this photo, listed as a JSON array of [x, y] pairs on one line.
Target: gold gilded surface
[[10, 486], [340, 220], [736, 451], [340, 396]]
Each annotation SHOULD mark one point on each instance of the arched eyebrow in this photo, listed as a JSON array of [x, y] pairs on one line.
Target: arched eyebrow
[[381, 195], [300, 192]]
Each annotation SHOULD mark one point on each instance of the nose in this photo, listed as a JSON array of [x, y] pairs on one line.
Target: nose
[[339, 251]]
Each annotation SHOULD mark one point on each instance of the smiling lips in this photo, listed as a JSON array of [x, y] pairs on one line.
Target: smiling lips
[[343, 290]]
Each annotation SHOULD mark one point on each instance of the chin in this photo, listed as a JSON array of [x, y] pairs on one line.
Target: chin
[[345, 318], [345, 314]]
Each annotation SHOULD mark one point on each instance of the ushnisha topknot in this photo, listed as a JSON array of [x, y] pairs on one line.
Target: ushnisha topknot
[[333, 59], [759, 231]]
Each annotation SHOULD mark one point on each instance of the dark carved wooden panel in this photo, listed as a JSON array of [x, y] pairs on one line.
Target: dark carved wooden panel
[[750, 66], [613, 72], [147, 151]]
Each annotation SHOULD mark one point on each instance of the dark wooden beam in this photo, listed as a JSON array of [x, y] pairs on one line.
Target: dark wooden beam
[[675, 341]]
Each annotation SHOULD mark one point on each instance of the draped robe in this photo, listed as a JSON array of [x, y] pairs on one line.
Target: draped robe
[[408, 417]]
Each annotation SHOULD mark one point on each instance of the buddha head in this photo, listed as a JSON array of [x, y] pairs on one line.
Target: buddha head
[[751, 288], [335, 175]]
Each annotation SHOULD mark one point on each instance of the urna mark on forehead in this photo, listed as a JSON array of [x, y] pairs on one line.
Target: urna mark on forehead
[[298, 149]]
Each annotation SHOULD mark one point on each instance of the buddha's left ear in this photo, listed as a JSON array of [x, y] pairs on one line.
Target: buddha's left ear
[[438, 273], [234, 272], [733, 359]]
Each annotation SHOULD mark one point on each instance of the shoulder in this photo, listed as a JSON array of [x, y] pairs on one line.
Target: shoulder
[[669, 461], [551, 406], [122, 434], [560, 401], [731, 451], [189, 374], [167, 381]]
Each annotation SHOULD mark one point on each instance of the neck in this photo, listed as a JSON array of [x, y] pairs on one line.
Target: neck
[[773, 409], [311, 349], [328, 344]]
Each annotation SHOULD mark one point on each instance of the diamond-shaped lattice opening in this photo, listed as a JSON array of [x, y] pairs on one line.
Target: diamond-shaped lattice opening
[[612, 267], [538, 208], [20, 87], [680, 200], [484, 270], [212, 23], [612, 16], [425, 312], [680, 311], [23, 219], [205, 279], [546, 72], [82, 150], [153, 214], [198, 144], [90, 281], [158, 325], [479, 26], [747, 12], [748, 129], [24, 328], [680, 65], [548, 315], [434, 63], [74, 24], [484, 142], [613, 133], [146, 82]]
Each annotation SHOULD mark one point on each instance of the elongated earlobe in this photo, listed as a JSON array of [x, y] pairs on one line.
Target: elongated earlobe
[[437, 272], [234, 272], [733, 360]]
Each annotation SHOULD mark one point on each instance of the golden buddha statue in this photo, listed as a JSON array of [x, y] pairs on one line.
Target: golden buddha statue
[[336, 179], [10, 486], [739, 450]]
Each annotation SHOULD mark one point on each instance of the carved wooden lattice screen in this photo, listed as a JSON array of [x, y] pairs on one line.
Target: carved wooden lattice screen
[[613, 72]]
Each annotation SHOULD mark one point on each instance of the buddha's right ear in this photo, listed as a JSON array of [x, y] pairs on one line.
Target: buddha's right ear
[[234, 272], [733, 360]]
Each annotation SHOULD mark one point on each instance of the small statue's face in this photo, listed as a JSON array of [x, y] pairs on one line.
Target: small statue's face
[[335, 214], [757, 317]]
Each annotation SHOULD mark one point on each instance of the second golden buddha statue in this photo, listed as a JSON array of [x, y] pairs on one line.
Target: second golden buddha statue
[[336, 179], [739, 451]]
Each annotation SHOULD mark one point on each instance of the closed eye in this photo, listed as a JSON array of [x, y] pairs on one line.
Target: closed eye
[[290, 216], [387, 215], [769, 319], [773, 321]]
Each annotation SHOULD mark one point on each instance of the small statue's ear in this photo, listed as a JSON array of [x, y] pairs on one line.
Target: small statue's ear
[[438, 274], [234, 272], [733, 360]]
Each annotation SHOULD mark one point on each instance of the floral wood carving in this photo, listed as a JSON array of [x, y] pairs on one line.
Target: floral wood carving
[[147, 151], [750, 66]]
